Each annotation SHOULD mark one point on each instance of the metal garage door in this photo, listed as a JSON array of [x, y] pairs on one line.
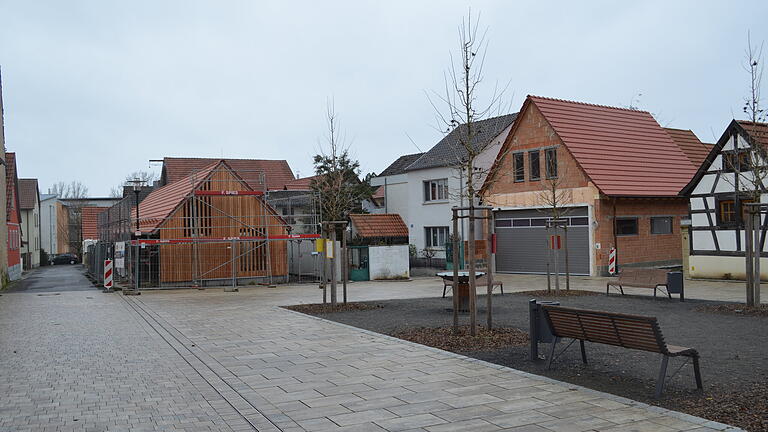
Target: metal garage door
[[521, 242]]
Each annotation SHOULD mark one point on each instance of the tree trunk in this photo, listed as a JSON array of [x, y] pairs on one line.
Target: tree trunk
[[472, 268], [333, 266], [455, 258], [567, 265], [748, 251], [489, 266]]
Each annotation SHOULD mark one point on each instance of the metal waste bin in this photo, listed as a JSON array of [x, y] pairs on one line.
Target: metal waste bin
[[675, 284], [538, 327]]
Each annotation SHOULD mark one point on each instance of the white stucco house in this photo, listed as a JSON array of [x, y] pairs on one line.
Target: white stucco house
[[48, 231], [29, 204], [423, 187], [716, 238]]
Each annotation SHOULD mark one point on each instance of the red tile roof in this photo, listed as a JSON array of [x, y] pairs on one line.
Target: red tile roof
[[89, 222], [379, 225], [758, 131], [689, 143], [379, 193], [277, 172], [624, 152], [28, 193], [161, 202], [304, 183]]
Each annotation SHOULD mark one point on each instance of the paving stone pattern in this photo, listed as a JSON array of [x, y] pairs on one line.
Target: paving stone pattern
[[193, 360]]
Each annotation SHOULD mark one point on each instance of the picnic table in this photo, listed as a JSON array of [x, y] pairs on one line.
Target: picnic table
[[463, 286]]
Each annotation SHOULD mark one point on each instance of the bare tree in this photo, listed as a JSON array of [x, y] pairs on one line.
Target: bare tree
[[461, 110], [72, 194], [748, 161], [73, 189], [147, 178], [337, 175], [553, 198]]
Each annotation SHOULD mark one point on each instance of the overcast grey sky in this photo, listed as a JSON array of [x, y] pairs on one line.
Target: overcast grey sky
[[94, 89]]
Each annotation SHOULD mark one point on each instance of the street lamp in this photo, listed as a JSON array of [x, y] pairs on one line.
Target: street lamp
[[137, 183]]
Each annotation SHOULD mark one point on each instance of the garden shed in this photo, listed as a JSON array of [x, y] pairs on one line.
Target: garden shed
[[379, 247]]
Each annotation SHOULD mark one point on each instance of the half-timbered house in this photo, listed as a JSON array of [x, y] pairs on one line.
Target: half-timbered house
[[717, 210]]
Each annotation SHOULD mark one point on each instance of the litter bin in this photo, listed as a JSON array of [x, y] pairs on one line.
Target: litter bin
[[675, 284], [539, 330]]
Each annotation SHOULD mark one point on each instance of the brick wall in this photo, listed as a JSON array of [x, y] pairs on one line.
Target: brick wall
[[643, 249], [532, 132]]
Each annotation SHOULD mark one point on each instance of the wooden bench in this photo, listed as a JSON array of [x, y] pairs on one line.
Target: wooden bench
[[628, 331], [640, 278], [481, 281]]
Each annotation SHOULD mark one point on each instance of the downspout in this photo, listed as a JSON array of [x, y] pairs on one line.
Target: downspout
[[386, 206], [613, 227]]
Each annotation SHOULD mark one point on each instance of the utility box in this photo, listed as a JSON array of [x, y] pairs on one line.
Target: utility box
[[538, 328], [675, 284]]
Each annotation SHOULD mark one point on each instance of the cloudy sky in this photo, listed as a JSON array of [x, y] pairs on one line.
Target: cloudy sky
[[93, 90]]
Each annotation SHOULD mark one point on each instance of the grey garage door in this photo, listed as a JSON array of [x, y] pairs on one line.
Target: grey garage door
[[521, 242]]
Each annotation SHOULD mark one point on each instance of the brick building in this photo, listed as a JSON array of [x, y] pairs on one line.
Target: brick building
[[615, 175]]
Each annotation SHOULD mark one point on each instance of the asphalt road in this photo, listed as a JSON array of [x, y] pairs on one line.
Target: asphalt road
[[58, 278]]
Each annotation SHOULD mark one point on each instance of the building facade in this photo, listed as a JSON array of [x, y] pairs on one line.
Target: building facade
[[422, 188], [29, 202], [717, 194], [611, 175], [13, 218]]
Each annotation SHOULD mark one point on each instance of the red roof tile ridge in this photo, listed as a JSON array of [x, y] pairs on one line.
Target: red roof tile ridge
[[587, 104]]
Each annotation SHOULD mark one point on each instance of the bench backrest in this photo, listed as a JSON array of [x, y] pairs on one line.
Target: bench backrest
[[643, 277], [629, 331]]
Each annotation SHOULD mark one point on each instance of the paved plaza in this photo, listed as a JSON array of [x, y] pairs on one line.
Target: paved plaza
[[73, 358]]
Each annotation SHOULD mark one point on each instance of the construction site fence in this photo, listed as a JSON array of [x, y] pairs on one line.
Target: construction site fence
[[207, 262]]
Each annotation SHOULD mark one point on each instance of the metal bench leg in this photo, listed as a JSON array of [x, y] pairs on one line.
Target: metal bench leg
[[583, 352], [662, 376], [697, 373], [552, 352], [501, 287], [621, 288], [445, 287]]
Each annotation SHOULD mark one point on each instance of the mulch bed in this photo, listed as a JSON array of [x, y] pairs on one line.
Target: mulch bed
[[326, 308], [735, 309], [563, 293], [746, 408], [462, 342], [735, 372]]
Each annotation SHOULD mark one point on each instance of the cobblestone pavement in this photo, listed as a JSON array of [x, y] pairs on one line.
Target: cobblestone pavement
[[210, 360]]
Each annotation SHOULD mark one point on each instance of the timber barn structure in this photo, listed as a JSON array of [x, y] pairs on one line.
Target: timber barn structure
[[210, 227]]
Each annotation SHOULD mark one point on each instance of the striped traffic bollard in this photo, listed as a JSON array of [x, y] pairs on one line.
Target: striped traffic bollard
[[612, 261], [108, 274]]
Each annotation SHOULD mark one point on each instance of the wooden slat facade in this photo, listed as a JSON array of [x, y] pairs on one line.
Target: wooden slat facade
[[222, 217]]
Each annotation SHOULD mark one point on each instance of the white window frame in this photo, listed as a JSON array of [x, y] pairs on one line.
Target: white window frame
[[436, 190], [438, 231]]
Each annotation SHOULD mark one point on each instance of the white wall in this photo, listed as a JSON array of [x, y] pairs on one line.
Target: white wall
[[388, 262], [48, 225], [434, 213], [30, 230], [716, 267]]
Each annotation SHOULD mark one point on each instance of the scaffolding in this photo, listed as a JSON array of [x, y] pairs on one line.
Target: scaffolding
[[221, 226]]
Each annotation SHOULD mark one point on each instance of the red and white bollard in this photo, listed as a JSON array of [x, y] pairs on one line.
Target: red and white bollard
[[108, 274], [612, 261]]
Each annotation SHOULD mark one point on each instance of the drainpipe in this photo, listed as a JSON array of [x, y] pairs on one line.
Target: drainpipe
[[386, 204]]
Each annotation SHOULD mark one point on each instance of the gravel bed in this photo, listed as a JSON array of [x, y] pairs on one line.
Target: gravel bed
[[733, 349]]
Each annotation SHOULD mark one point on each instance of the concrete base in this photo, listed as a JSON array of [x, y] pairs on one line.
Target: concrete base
[[129, 292], [231, 289]]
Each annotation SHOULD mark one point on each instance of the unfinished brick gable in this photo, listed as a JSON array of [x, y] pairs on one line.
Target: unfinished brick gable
[[532, 131]]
